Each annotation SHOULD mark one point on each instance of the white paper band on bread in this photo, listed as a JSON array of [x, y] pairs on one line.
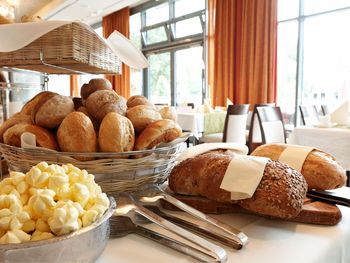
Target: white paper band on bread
[[295, 155], [28, 140], [243, 176], [207, 147]]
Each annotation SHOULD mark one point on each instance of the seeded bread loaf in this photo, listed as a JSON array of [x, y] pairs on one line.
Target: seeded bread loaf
[[320, 169], [280, 193]]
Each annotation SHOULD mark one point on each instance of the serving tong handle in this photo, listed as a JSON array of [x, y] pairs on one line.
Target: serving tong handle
[[153, 193], [127, 206]]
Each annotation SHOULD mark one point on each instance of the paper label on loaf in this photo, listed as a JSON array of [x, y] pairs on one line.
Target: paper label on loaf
[[243, 176], [295, 156]]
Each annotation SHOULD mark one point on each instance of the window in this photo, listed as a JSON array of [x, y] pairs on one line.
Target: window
[[171, 34], [315, 70]]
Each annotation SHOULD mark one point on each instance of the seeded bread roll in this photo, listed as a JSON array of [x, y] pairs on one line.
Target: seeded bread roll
[[156, 133], [168, 113], [320, 169], [102, 102], [15, 119], [281, 191], [37, 99], [50, 113], [44, 138], [142, 115], [138, 100], [116, 134], [76, 134]]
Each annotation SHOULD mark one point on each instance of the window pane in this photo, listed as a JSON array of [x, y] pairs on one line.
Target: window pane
[[326, 59], [136, 81], [316, 6], [157, 14], [159, 78], [288, 9], [286, 68], [189, 70], [135, 27], [155, 35], [59, 84], [184, 7], [188, 27]]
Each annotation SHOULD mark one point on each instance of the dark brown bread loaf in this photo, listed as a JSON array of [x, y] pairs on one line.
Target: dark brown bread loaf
[[280, 193], [320, 169]]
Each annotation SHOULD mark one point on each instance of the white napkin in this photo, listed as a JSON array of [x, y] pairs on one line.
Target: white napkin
[[207, 147], [295, 155], [28, 140], [341, 113], [228, 102], [243, 176]]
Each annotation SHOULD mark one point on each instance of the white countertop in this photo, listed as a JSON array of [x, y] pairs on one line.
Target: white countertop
[[270, 241]]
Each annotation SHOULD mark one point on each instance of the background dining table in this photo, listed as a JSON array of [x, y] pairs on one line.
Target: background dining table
[[270, 241], [335, 141]]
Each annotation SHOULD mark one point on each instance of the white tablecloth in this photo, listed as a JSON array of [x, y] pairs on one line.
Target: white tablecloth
[[270, 241], [193, 122], [335, 141]]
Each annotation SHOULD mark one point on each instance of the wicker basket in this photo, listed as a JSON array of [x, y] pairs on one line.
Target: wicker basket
[[71, 48], [114, 172]]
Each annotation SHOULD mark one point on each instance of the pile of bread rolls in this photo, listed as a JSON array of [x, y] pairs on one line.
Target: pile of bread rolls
[[98, 121]]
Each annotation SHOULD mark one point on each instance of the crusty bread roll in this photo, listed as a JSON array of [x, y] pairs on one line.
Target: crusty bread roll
[[44, 138], [15, 119], [281, 191], [142, 115], [76, 134], [157, 132], [138, 100], [37, 99], [95, 84], [94, 122], [102, 102], [116, 134], [50, 113], [321, 171], [168, 113]]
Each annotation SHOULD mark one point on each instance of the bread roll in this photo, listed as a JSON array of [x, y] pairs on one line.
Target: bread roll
[[281, 191], [102, 102], [15, 119], [142, 115], [4, 20], [76, 134], [94, 122], [157, 132], [95, 84], [168, 113], [116, 134], [37, 99], [138, 100], [50, 113], [320, 169], [44, 138], [78, 102]]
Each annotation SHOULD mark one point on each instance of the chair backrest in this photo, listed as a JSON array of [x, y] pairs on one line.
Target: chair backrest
[[190, 104], [309, 114], [326, 109], [235, 123], [254, 127], [271, 125]]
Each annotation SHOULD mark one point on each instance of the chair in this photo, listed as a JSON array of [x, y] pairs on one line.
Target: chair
[[309, 114], [271, 125], [326, 109], [234, 127], [190, 105]]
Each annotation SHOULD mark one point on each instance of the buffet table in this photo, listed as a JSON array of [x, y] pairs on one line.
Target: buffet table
[[335, 141], [271, 241]]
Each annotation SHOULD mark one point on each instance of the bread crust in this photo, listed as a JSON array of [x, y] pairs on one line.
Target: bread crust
[[76, 134], [15, 119], [116, 134], [320, 169], [141, 116], [168, 113], [138, 100], [157, 132], [44, 138], [280, 193], [37, 99]]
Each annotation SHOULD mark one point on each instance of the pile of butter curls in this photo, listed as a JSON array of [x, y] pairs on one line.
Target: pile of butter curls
[[48, 200]]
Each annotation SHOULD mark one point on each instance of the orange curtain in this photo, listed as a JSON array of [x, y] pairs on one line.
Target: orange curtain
[[119, 21], [74, 89], [242, 42]]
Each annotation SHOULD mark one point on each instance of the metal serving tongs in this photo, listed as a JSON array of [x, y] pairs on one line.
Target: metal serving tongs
[[152, 193], [126, 206]]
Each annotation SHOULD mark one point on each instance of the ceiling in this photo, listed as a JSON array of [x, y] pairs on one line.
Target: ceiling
[[88, 11]]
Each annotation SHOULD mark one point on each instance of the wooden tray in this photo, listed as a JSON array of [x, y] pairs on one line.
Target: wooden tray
[[313, 212]]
